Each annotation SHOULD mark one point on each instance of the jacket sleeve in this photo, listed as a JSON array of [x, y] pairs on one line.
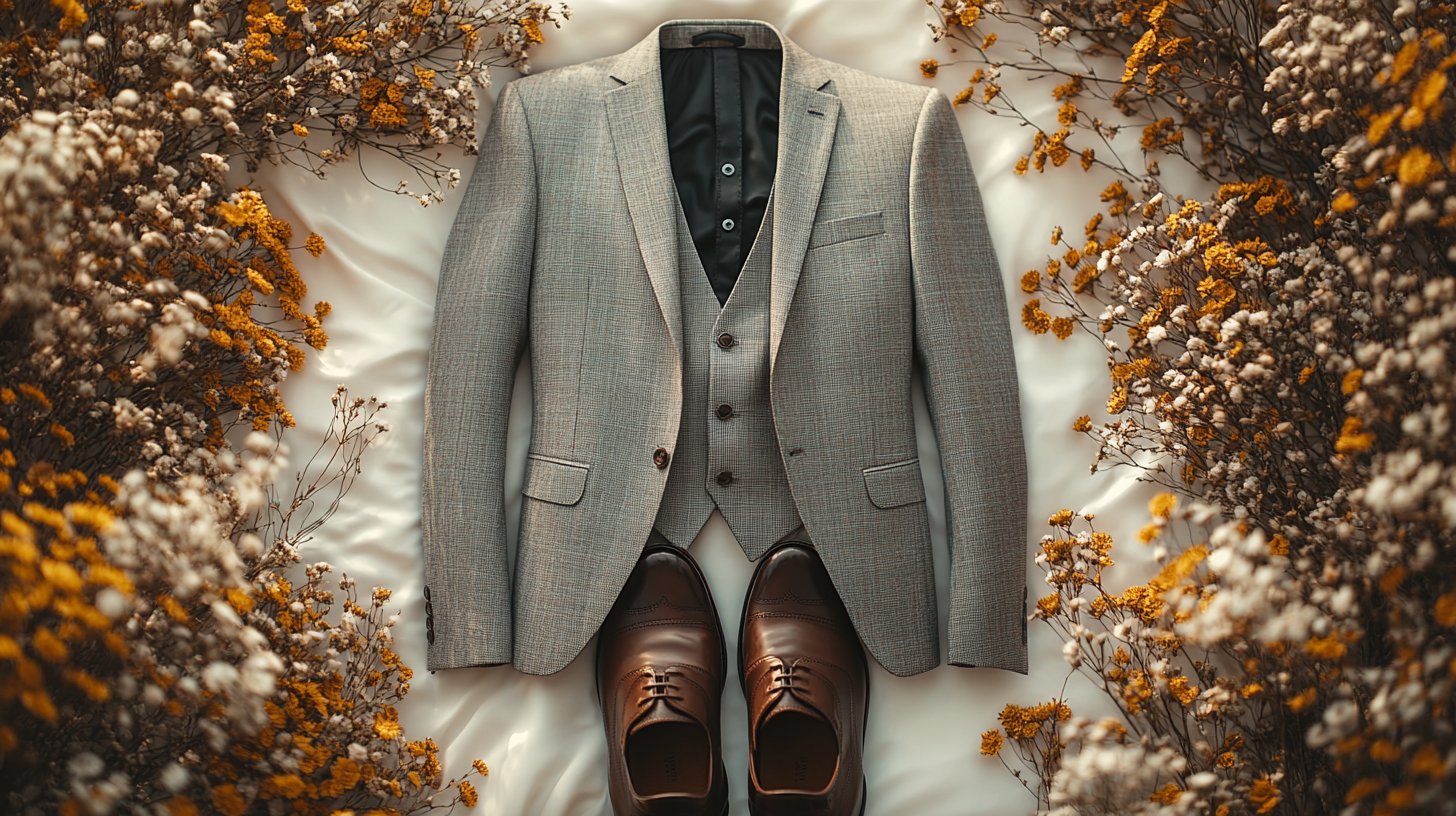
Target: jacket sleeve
[[479, 334], [963, 344]]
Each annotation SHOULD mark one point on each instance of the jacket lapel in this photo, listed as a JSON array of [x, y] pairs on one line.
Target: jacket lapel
[[807, 121], [639, 134], [808, 116]]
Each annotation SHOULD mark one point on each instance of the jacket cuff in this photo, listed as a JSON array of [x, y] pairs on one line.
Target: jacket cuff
[[476, 638]]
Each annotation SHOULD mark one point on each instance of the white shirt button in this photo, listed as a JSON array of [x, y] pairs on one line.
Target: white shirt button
[[728, 224], [729, 169]]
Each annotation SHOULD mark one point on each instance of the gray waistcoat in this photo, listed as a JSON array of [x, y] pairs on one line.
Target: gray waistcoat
[[727, 423]]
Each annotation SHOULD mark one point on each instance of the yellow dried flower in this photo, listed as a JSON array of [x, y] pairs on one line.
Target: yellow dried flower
[[1049, 604], [1082, 424], [1166, 795], [480, 767], [59, 432], [73, 14], [1034, 319], [1061, 518], [34, 394], [1162, 505], [1428, 762], [1445, 609], [93, 688], [929, 68], [1140, 51], [386, 723], [1405, 59], [173, 608], [1363, 788], [48, 646], [299, 130], [1263, 795], [991, 742], [1380, 124], [228, 801], [287, 786], [1324, 648], [1031, 281], [1417, 166], [1117, 403], [1352, 439], [1063, 327], [468, 796], [1303, 699]]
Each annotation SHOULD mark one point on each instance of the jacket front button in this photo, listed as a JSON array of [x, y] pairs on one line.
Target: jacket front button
[[725, 411], [661, 457], [725, 478], [725, 340]]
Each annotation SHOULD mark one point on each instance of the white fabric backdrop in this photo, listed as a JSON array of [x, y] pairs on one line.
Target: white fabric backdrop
[[542, 736]]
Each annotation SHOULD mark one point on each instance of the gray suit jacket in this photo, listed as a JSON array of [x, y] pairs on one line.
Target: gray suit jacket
[[565, 245]]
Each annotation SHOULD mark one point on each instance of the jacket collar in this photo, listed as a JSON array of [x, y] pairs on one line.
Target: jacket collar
[[808, 115]]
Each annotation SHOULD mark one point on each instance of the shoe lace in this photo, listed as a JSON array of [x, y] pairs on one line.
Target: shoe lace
[[789, 677], [660, 686]]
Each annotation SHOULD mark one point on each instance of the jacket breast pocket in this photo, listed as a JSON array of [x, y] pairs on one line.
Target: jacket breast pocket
[[839, 230], [895, 484], [558, 481]]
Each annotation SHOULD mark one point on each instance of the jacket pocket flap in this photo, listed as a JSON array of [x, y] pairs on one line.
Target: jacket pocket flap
[[846, 229], [559, 481], [895, 484]]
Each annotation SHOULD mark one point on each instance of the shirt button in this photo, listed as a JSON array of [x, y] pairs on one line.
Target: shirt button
[[729, 169], [725, 411], [725, 478], [725, 340], [728, 224], [661, 457]]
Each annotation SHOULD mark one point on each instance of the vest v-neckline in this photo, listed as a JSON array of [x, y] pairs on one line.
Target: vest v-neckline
[[753, 250]]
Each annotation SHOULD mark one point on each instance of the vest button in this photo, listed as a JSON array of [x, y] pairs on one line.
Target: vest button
[[661, 457], [725, 340], [725, 478], [725, 411]]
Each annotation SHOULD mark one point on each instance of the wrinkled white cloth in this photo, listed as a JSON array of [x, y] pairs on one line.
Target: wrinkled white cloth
[[542, 736]]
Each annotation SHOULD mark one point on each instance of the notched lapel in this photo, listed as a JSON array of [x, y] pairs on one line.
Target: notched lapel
[[639, 137], [807, 122]]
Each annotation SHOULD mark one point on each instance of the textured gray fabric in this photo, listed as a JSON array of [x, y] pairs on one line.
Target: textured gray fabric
[[566, 245], [758, 504]]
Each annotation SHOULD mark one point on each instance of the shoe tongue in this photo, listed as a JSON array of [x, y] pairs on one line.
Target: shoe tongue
[[789, 702], [658, 711]]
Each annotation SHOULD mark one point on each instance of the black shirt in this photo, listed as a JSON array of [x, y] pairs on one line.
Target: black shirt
[[722, 110]]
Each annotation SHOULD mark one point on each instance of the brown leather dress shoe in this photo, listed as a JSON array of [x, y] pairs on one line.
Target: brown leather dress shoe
[[806, 679], [661, 663]]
